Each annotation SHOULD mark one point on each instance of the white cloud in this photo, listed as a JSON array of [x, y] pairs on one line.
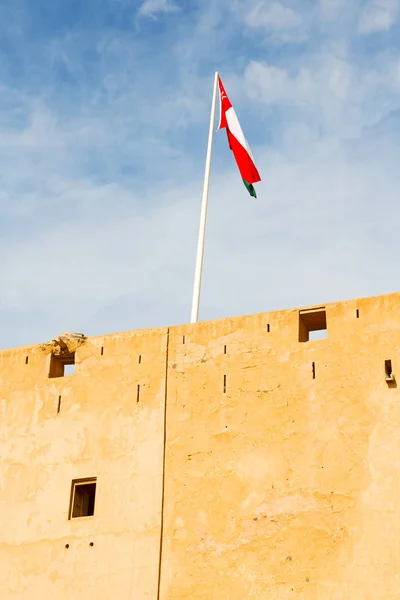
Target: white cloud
[[342, 97], [330, 9], [101, 178], [273, 16], [116, 267], [275, 85], [120, 259], [279, 21], [267, 83], [378, 15], [150, 8]]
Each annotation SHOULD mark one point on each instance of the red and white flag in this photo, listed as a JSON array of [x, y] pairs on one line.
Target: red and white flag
[[237, 142]]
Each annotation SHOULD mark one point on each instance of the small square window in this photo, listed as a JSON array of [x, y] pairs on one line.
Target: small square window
[[83, 494], [312, 324], [63, 365]]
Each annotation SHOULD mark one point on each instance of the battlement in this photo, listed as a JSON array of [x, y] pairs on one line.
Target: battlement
[[333, 321]]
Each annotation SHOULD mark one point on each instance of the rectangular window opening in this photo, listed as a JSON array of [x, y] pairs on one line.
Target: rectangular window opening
[[357, 314], [184, 339], [26, 360], [312, 324], [224, 384], [268, 328], [102, 351], [140, 358], [62, 365], [59, 405], [224, 349], [83, 494], [313, 370], [388, 371], [138, 393]]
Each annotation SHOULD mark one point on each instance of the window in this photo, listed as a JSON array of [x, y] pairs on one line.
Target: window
[[388, 371], [312, 324], [83, 494], [63, 365]]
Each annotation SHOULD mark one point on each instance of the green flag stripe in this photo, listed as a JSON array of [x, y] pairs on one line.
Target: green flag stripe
[[250, 188]]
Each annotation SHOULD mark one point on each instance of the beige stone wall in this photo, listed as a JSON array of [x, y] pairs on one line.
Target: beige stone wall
[[101, 431], [284, 486], [277, 485]]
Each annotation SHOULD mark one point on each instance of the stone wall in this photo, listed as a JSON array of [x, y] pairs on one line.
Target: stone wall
[[102, 431], [279, 460]]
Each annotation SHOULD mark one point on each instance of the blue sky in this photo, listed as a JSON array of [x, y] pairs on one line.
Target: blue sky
[[104, 110]]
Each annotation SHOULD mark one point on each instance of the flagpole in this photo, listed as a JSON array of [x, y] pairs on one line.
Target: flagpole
[[203, 214]]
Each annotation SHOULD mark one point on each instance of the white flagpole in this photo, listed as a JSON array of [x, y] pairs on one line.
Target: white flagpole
[[203, 214]]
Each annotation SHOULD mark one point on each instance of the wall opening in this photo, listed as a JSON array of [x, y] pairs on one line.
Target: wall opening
[[357, 314], [268, 328], [388, 371], [140, 358], [102, 351], [224, 384], [26, 360], [312, 324], [313, 370], [388, 368], [83, 495], [389, 375], [61, 366], [138, 393], [224, 349], [59, 405]]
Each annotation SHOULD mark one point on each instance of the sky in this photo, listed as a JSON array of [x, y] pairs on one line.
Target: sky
[[104, 116]]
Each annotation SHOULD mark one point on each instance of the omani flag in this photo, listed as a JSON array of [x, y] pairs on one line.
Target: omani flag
[[237, 142]]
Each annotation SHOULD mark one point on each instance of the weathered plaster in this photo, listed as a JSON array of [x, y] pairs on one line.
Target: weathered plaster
[[282, 486], [101, 431]]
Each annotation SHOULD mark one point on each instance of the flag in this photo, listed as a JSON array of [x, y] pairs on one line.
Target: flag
[[237, 142]]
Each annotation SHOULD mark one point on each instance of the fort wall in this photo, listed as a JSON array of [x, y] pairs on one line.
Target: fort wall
[[233, 459]]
